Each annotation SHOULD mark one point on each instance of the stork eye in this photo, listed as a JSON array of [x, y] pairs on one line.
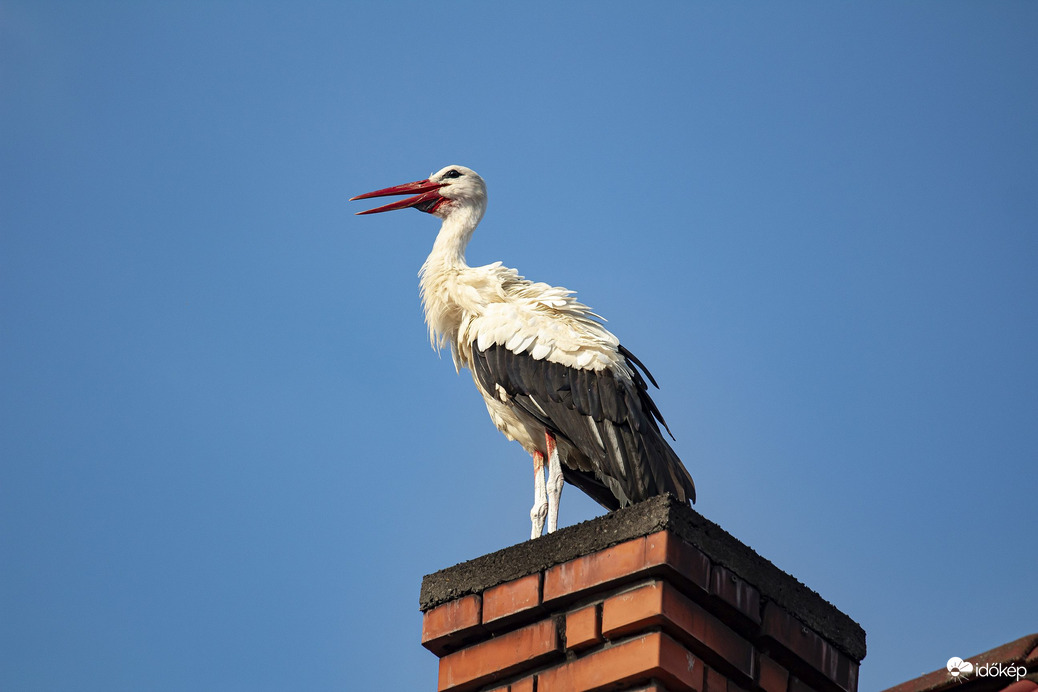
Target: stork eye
[[452, 174]]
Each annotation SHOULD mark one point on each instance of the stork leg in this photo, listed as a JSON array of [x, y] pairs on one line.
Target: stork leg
[[555, 482], [540, 499]]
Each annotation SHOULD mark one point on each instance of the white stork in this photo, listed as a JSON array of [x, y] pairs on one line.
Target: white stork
[[554, 379]]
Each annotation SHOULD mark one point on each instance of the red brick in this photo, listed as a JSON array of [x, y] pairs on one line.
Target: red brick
[[634, 610], [626, 562], [501, 656], [524, 685], [798, 685], [583, 573], [733, 687], [810, 647], [583, 628], [653, 655], [659, 603], [714, 681], [512, 597], [773, 677], [446, 626], [736, 592], [847, 674], [654, 687], [687, 560]]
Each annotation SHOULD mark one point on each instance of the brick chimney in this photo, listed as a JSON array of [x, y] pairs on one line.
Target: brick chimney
[[652, 597]]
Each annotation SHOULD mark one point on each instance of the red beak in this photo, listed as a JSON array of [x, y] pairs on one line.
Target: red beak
[[426, 200]]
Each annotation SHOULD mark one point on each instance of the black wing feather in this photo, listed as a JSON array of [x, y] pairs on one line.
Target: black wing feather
[[631, 359], [589, 410], [607, 396], [594, 399]]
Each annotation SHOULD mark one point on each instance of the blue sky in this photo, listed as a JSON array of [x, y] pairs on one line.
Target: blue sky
[[228, 452]]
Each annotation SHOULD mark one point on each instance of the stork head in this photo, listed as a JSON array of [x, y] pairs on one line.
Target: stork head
[[448, 190]]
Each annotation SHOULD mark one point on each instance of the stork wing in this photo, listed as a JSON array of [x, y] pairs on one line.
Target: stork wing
[[610, 420]]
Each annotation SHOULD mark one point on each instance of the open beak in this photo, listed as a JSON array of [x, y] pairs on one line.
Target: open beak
[[426, 200]]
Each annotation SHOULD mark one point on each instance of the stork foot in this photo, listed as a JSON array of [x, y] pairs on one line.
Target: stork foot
[[540, 499], [554, 483]]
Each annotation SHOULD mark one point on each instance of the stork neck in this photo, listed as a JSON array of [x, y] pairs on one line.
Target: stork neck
[[438, 276], [454, 236]]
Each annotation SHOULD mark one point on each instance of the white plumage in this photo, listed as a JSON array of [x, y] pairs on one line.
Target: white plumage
[[553, 377]]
